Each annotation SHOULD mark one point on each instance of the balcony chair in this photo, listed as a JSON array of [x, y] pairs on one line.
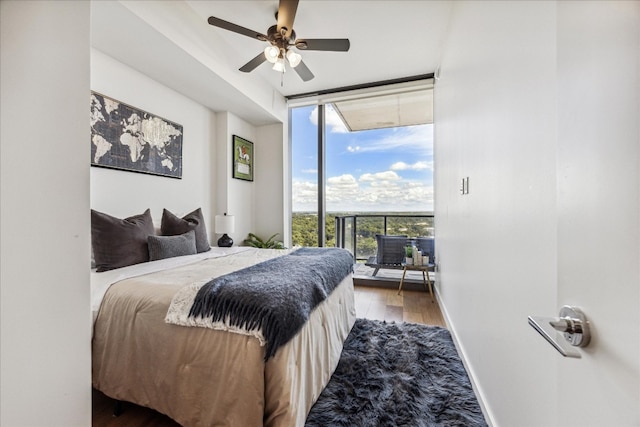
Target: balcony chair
[[391, 251], [427, 245]]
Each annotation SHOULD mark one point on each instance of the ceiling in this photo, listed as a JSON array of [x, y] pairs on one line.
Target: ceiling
[[171, 42]]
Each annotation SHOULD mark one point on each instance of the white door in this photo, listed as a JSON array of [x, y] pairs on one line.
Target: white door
[[598, 208]]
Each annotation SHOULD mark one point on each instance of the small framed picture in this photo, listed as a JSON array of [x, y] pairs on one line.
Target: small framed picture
[[242, 158]]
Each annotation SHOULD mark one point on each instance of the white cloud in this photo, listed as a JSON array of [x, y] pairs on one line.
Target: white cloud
[[311, 171], [332, 119], [401, 166], [304, 195], [395, 196], [352, 149], [377, 192], [379, 176], [342, 188], [342, 180]]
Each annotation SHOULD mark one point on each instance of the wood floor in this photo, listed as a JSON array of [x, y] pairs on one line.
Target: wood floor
[[371, 303], [385, 304]]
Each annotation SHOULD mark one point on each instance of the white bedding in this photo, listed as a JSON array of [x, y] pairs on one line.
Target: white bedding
[[205, 377], [100, 282]]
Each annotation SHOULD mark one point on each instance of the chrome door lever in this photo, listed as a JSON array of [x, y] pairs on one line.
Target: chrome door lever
[[572, 323]]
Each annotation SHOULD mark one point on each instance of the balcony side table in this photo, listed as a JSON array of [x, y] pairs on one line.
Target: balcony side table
[[426, 280]]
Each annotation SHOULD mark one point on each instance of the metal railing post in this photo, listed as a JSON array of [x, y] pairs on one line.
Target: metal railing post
[[355, 236]]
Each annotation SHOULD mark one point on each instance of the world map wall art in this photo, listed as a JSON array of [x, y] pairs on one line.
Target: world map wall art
[[124, 137]]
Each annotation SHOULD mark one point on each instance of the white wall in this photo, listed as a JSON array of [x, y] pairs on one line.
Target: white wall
[[44, 222], [206, 181], [513, 77], [121, 193], [269, 180], [234, 196], [256, 205]]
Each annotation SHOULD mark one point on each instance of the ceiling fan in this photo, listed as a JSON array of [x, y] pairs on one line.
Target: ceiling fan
[[282, 39]]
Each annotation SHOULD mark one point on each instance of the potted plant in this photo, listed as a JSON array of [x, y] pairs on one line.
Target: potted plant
[[408, 252], [257, 242]]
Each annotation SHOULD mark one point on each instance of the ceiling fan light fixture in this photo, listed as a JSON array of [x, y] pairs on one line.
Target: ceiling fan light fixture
[[279, 66], [272, 53], [281, 38], [294, 58]]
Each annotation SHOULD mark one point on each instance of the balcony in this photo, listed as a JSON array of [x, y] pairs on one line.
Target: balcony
[[357, 233]]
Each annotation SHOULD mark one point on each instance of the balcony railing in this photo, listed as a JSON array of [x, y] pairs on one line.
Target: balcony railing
[[357, 233]]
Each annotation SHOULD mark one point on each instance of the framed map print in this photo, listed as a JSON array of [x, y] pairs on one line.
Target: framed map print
[[242, 158], [124, 137]]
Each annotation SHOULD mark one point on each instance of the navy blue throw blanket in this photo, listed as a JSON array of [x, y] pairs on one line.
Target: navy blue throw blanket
[[274, 296]]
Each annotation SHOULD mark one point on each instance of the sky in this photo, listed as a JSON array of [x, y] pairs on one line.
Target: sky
[[383, 170]]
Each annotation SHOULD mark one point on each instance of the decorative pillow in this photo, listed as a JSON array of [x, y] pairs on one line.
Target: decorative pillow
[[120, 242], [171, 225], [391, 249], [161, 247]]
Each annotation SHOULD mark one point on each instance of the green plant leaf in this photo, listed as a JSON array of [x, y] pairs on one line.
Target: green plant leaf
[[256, 242]]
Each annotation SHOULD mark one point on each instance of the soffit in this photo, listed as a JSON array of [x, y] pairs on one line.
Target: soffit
[[384, 111]]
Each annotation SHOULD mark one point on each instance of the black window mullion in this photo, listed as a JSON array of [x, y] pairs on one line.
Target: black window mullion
[[321, 173]]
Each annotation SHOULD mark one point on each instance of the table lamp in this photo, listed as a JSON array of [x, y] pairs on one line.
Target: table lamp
[[225, 224]]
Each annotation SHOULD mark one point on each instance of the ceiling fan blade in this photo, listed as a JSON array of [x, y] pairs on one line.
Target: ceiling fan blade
[[253, 64], [221, 23], [335, 45], [304, 72], [286, 15]]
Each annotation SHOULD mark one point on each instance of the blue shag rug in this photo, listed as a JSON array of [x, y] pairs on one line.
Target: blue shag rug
[[397, 374]]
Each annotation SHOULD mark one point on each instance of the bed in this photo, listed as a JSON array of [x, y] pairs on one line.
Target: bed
[[202, 376]]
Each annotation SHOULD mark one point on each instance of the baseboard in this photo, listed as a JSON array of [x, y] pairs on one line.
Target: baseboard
[[488, 415]]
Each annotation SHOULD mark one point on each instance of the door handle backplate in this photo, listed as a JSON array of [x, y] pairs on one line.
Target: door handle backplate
[[571, 322]]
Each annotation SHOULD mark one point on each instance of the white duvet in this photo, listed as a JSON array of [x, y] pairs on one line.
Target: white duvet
[[100, 282]]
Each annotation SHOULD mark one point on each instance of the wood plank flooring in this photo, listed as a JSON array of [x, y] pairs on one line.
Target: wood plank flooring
[[385, 304], [371, 303]]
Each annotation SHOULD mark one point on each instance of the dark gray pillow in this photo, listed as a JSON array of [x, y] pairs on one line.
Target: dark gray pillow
[[161, 247], [120, 242], [171, 225]]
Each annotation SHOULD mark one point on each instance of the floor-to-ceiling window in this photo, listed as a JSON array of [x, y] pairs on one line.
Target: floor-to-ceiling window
[[304, 185], [370, 157]]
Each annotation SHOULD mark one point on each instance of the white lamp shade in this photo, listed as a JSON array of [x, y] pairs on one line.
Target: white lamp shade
[[271, 53], [294, 58], [225, 224], [279, 66]]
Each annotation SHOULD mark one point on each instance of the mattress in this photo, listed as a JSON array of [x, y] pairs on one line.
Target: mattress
[[207, 377]]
